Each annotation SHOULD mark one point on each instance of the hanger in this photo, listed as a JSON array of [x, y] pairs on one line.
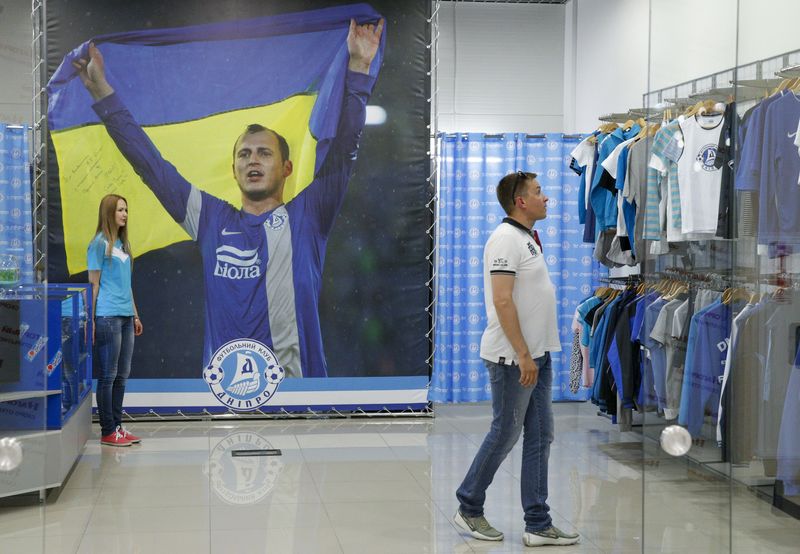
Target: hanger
[[709, 107], [779, 295], [782, 86], [642, 133], [628, 124], [607, 128], [726, 295], [692, 110], [734, 295], [682, 289]]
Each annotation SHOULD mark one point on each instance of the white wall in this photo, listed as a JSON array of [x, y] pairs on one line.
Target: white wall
[[768, 28], [688, 39], [691, 39], [501, 67], [610, 63], [16, 83]]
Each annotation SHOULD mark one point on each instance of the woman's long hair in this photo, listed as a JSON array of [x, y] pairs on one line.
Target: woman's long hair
[[107, 224]]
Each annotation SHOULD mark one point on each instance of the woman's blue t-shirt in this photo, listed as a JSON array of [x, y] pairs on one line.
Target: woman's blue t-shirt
[[115, 297]]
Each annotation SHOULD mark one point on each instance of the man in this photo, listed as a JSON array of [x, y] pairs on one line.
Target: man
[[516, 345], [263, 262]]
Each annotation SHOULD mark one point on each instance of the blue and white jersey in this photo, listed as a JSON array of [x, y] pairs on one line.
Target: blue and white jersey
[[263, 273]]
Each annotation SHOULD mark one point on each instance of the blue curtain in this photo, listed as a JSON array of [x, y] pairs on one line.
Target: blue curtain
[[16, 221], [470, 167]]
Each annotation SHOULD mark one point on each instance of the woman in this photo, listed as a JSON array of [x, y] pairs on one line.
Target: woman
[[115, 318]]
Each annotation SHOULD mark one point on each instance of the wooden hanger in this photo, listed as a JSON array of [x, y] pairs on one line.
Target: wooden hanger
[[607, 128], [692, 110], [643, 133], [782, 86], [707, 107], [734, 295], [726, 295]]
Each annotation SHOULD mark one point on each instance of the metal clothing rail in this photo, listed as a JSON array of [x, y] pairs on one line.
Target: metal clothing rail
[[751, 74]]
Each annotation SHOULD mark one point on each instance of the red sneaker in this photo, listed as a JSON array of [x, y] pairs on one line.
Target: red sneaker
[[128, 435], [115, 439]]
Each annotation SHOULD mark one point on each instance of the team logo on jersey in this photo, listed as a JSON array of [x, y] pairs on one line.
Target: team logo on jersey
[[276, 221], [532, 249], [243, 374], [242, 480], [233, 263], [707, 157]]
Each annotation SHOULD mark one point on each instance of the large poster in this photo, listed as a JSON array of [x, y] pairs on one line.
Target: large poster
[[316, 300]]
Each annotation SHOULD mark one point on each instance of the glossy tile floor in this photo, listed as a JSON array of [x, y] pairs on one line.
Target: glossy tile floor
[[382, 486]]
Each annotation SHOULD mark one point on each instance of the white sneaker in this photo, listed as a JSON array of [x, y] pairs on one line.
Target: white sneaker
[[550, 536]]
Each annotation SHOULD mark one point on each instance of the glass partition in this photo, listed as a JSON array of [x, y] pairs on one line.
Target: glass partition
[[720, 464]]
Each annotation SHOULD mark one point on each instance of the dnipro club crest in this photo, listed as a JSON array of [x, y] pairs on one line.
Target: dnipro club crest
[[244, 374]]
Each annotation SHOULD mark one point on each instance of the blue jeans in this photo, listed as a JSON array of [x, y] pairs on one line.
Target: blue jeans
[[515, 409], [114, 348]]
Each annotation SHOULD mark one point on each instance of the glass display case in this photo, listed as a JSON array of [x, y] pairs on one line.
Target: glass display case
[[45, 384]]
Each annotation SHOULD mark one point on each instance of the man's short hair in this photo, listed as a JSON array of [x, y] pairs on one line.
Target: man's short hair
[[254, 128], [513, 185]]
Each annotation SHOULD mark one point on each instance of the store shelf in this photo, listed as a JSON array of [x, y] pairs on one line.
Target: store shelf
[[21, 435], [789, 72], [20, 395]]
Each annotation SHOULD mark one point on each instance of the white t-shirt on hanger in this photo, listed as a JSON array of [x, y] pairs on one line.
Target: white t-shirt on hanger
[[584, 155], [698, 177]]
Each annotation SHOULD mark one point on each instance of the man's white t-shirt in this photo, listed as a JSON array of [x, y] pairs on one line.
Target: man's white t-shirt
[[511, 250]]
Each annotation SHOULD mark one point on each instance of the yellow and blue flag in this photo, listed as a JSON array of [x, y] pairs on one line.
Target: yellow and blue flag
[[194, 90]]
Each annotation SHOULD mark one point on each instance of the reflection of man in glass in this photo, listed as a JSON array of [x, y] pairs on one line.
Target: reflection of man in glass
[[263, 262]]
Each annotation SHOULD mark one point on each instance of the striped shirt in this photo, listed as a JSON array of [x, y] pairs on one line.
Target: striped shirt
[[662, 183]]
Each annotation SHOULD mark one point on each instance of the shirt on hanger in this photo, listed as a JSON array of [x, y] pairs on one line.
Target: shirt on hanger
[[654, 351], [699, 179], [737, 322], [709, 336], [635, 191], [779, 192], [673, 373], [663, 193], [583, 154], [748, 171]]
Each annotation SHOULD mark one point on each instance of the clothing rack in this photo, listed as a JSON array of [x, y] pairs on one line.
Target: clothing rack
[[630, 279]]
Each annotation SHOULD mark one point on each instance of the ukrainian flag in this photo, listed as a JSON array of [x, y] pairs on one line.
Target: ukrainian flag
[[194, 90]]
